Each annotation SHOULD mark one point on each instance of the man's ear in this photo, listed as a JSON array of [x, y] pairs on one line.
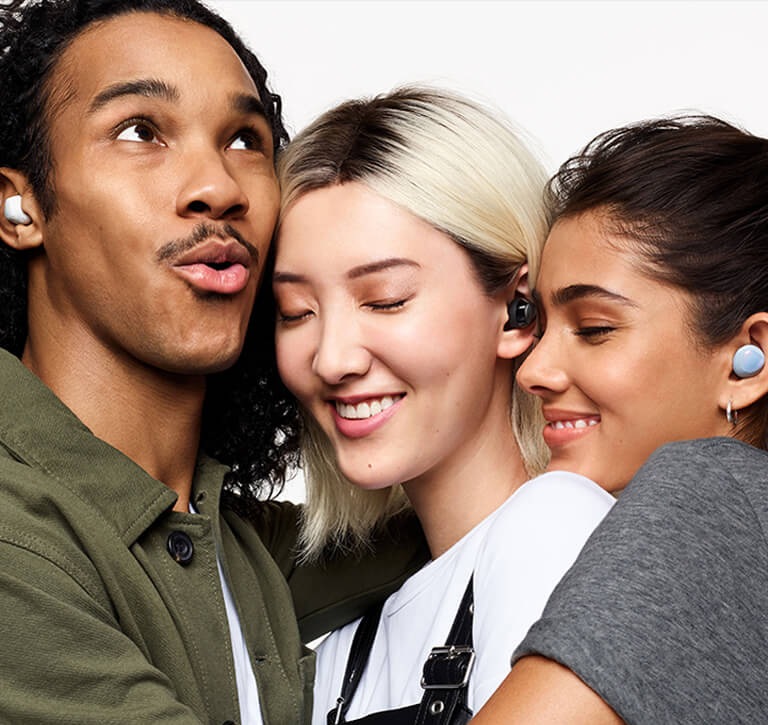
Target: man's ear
[[516, 338], [13, 233], [743, 391]]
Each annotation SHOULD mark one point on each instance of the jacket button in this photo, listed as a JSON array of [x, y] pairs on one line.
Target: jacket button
[[180, 547]]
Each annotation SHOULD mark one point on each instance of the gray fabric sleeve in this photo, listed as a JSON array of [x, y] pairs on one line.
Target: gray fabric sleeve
[[664, 612]]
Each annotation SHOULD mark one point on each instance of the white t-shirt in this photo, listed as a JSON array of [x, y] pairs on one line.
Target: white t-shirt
[[247, 689], [517, 555]]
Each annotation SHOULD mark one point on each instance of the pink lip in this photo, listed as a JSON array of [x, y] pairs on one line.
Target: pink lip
[[564, 427], [200, 267], [360, 428]]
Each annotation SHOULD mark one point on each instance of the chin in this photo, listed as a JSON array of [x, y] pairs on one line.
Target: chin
[[198, 362], [369, 482]]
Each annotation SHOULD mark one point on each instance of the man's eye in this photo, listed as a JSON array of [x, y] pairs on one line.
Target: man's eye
[[140, 132], [247, 141]]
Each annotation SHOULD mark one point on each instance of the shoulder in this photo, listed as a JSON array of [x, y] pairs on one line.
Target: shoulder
[[709, 478], [563, 488], [704, 461], [540, 529], [552, 500], [695, 512], [533, 540], [37, 537]]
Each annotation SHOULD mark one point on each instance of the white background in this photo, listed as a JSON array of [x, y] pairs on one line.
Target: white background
[[563, 71]]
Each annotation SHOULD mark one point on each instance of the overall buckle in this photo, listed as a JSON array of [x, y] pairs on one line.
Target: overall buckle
[[448, 668]]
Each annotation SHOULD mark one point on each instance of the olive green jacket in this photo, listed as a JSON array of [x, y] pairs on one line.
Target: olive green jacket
[[99, 623]]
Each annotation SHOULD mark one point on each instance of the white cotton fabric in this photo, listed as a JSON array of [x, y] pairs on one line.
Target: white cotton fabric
[[517, 554], [247, 689]]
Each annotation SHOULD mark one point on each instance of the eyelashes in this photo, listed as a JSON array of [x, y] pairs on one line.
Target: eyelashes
[[594, 333], [137, 130], [379, 306], [144, 130]]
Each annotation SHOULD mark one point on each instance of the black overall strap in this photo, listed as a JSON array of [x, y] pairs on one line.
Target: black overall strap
[[445, 677], [359, 653]]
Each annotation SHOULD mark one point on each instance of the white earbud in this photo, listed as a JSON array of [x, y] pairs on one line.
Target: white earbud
[[13, 211]]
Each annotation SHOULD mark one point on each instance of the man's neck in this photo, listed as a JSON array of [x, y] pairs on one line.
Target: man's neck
[[152, 417]]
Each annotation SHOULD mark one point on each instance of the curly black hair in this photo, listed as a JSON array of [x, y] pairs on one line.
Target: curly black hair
[[250, 421]]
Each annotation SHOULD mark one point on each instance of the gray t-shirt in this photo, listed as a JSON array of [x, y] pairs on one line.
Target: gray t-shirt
[[665, 612]]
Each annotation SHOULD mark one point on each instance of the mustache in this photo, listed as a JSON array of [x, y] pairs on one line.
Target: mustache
[[203, 231]]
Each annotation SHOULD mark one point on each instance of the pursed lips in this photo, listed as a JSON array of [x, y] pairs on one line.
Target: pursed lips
[[215, 253], [215, 266]]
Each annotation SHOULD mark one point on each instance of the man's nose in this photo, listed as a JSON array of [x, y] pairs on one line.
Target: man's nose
[[209, 188]]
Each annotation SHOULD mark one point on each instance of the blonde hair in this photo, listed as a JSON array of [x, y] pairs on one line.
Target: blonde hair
[[465, 171]]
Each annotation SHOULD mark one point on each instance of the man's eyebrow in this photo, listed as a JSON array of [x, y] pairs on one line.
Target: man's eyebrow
[[564, 295], [245, 103], [248, 104], [147, 87], [354, 273]]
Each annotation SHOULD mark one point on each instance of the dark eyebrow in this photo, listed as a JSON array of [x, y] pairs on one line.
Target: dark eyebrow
[[579, 291], [248, 104], [354, 273], [147, 87]]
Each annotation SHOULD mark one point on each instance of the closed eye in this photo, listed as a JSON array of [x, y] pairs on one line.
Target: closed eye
[[594, 333], [385, 306], [285, 318]]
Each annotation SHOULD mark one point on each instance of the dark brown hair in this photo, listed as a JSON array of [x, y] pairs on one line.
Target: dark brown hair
[[690, 195]]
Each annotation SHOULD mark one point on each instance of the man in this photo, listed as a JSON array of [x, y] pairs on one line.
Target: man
[[137, 148]]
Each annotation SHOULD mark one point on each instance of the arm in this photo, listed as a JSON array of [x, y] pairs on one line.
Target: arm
[[330, 593], [539, 691], [661, 613]]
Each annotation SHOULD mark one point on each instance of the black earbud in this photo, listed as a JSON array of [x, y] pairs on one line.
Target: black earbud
[[521, 313]]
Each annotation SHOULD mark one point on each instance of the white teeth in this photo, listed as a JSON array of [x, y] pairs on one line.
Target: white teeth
[[361, 411], [579, 423]]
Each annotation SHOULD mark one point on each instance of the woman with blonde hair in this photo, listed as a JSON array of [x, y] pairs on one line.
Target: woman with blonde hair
[[411, 224]]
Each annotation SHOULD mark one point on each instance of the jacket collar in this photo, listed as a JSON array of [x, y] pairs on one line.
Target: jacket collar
[[37, 429]]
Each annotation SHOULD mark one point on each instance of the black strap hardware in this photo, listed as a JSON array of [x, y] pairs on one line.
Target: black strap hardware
[[448, 668], [445, 675]]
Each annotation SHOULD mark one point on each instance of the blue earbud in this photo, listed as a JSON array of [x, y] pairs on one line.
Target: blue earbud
[[13, 211], [748, 360]]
